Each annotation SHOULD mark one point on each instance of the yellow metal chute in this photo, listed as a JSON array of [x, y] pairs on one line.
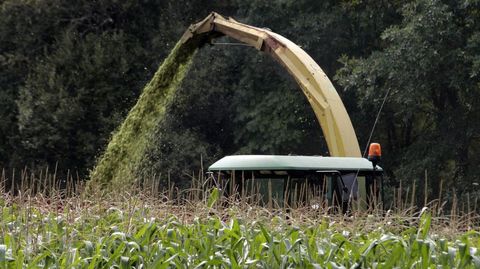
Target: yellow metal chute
[[322, 96]]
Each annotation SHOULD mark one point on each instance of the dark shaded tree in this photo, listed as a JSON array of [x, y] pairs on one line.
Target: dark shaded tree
[[428, 66]]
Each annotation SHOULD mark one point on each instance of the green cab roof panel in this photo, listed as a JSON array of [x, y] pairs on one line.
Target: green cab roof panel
[[284, 162]]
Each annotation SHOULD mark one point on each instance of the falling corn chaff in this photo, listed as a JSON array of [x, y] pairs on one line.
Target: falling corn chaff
[[119, 163]]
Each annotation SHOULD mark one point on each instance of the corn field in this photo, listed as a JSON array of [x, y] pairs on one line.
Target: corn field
[[128, 230]]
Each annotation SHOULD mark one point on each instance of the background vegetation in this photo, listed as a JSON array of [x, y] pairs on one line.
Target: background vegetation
[[70, 71]]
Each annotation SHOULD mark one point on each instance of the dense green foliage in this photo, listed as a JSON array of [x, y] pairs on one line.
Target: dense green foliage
[[70, 72], [429, 65]]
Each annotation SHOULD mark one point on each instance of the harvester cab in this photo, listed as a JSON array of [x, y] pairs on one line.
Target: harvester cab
[[299, 181]]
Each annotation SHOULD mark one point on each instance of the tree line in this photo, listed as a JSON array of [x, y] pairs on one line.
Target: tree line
[[71, 70]]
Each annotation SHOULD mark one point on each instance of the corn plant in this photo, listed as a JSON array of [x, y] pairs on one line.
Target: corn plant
[[141, 232]]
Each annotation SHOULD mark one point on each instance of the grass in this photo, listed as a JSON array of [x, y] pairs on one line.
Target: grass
[[200, 228]]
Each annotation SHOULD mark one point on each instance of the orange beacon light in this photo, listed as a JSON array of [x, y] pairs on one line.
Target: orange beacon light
[[374, 153]]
